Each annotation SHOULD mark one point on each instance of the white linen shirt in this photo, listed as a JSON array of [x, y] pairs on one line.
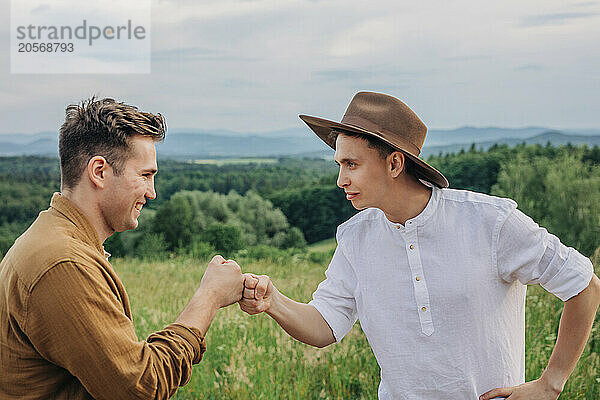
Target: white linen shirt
[[442, 299]]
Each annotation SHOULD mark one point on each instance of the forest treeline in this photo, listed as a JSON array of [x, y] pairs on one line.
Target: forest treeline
[[285, 205]]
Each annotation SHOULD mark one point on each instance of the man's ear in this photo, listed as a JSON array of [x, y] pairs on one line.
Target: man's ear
[[97, 169], [396, 163]]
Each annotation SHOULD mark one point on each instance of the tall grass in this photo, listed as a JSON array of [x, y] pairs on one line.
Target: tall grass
[[250, 357]]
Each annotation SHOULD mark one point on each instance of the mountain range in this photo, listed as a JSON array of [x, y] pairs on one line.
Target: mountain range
[[190, 144]]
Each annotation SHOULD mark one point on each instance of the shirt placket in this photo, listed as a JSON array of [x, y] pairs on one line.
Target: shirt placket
[[419, 282]]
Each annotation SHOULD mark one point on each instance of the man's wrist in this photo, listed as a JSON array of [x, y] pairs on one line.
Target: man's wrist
[[553, 380], [205, 299], [276, 306], [199, 312]]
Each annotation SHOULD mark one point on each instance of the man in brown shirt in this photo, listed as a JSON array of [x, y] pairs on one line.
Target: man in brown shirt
[[66, 330]]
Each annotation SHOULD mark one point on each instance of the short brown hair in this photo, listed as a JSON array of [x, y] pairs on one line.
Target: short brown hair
[[382, 148], [102, 127]]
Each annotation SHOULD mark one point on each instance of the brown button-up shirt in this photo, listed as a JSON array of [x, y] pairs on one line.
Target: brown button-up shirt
[[66, 330]]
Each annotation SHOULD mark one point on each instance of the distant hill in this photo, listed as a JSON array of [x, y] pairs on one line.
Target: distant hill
[[301, 142], [203, 145], [554, 137]]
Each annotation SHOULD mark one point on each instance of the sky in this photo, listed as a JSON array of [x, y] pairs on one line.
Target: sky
[[254, 65]]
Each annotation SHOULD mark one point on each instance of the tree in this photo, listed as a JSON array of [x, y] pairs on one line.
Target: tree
[[563, 195], [248, 220], [224, 238], [152, 246], [115, 246], [317, 211], [175, 220]]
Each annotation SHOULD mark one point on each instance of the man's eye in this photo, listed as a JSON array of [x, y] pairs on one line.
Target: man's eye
[[351, 164]]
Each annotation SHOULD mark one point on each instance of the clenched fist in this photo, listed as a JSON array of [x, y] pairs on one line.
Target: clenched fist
[[258, 294], [222, 281]]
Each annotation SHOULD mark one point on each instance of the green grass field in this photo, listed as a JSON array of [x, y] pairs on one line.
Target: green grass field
[[250, 357], [323, 246]]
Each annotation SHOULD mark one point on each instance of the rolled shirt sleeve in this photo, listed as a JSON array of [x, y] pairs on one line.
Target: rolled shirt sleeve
[[334, 297], [77, 322], [530, 254]]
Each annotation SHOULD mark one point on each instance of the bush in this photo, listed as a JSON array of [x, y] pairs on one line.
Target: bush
[[317, 211], [293, 238], [189, 214], [320, 257], [265, 252], [152, 246], [224, 238], [115, 246], [175, 220], [200, 249]]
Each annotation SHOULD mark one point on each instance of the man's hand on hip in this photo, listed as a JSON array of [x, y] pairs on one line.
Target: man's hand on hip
[[534, 390]]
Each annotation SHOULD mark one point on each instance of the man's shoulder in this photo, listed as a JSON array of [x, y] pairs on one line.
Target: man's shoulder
[[361, 220], [41, 247], [466, 197]]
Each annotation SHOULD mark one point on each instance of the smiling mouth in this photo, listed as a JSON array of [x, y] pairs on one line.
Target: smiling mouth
[[139, 206], [350, 195]]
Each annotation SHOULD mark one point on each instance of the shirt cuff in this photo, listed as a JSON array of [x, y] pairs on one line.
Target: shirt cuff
[[574, 276], [193, 337], [339, 324]]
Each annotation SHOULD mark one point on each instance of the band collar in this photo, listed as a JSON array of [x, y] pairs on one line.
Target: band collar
[[422, 217]]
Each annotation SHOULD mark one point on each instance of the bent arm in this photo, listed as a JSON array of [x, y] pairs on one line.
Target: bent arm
[[301, 321], [574, 329], [326, 319], [573, 332], [76, 321]]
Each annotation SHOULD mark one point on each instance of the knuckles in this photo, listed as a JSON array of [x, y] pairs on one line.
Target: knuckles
[[235, 266], [217, 260]]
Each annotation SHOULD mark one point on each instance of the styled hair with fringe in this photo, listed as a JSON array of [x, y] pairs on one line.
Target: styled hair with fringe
[[102, 128], [383, 149]]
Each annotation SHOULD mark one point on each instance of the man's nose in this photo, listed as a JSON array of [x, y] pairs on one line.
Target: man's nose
[[342, 180], [151, 192]]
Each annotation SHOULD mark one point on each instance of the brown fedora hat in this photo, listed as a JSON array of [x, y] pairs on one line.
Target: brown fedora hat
[[389, 120]]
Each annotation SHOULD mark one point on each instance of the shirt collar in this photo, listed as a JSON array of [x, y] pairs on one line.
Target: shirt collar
[[422, 217], [67, 208]]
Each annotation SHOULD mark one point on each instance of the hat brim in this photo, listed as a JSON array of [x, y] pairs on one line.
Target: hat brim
[[323, 127]]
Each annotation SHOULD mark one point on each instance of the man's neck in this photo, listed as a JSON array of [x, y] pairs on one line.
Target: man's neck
[[406, 201], [89, 209]]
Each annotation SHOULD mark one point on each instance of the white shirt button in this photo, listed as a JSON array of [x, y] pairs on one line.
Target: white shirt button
[[412, 247], [417, 278], [423, 308]]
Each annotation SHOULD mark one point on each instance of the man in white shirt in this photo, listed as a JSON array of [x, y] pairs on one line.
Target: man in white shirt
[[436, 276]]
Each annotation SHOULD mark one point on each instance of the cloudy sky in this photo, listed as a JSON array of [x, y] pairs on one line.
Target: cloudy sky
[[254, 65]]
